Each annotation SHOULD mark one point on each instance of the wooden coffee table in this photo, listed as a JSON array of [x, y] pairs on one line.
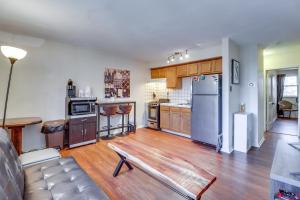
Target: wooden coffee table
[[183, 176], [16, 125]]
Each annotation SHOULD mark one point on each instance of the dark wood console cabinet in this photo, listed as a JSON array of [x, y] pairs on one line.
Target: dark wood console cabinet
[[82, 131]]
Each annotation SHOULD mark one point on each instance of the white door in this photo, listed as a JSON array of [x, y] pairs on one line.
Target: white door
[[271, 98]]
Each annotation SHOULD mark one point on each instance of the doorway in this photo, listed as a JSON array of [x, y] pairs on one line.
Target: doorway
[[282, 101]]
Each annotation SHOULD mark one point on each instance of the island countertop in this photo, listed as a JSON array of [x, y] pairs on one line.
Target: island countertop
[[286, 162]]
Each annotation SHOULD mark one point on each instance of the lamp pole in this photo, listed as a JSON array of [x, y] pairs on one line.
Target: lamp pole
[[12, 61]]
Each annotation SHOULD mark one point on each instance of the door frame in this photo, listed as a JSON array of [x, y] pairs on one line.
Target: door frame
[[265, 94], [267, 127]]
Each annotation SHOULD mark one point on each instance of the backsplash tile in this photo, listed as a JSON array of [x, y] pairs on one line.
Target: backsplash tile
[[158, 86]]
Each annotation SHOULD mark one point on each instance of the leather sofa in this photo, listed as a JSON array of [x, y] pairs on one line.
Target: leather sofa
[[60, 179]]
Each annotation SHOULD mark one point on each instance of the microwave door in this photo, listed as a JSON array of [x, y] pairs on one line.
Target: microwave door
[[80, 108]]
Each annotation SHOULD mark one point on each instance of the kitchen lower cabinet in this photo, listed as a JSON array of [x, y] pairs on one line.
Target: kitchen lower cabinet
[[75, 134], [82, 131], [176, 119], [165, 117], [186, 123]]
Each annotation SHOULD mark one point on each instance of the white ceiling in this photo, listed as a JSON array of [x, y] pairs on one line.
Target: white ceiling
[[151, 29]]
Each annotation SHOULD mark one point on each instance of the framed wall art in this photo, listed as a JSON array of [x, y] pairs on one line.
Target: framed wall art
[[235, 72], [117, 83]]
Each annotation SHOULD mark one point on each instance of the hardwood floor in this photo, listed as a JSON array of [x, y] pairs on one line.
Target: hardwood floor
[[239, 176], [285, 126]]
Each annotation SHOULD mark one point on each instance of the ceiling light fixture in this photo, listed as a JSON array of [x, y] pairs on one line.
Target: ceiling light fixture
[[178, 55], [187, 55], [181, 57], [173, 59]]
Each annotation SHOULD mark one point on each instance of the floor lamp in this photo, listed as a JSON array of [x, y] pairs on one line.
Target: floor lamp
[[13, 54]]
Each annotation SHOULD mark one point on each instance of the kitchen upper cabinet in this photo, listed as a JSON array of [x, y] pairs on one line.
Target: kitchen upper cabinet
[[182, 71], [175, 119], [154, 73], [163, 72], [205, 67], [217, 66], [172, 80], [192, 69], [175, 73]]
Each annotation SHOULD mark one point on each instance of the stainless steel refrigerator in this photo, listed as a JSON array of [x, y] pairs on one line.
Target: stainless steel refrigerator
[[207, 109]]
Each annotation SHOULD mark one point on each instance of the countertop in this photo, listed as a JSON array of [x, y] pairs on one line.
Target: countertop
[[286, 161], [177, 105], [115, 101]]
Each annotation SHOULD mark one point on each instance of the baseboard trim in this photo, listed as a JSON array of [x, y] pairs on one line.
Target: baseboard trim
[[140, 126], [176, 133], [228, 150]]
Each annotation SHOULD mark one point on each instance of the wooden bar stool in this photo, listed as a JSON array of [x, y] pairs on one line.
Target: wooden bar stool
[[125, 110], [109, 110]]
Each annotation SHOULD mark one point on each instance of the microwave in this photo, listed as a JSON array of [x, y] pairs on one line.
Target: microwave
[[82, 108]]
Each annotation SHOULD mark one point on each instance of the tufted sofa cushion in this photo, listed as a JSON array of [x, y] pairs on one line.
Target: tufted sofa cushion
[[60, 179]]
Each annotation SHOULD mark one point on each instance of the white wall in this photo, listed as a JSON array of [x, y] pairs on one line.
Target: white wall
[[230, 93], [39, 82], [252, 88]]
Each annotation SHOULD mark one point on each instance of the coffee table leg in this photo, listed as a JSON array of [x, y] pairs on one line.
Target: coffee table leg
[[120, 164]]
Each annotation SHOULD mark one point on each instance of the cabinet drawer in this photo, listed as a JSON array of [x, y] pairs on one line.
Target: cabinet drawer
[[82, 120], [175, 109], [165, 108], [185, 110]]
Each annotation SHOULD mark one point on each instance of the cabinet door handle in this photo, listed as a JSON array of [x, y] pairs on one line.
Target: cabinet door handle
[[84, 131], [81, 131]]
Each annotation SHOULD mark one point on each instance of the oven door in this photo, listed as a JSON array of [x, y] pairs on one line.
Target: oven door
[[153, 113], [80, 108]]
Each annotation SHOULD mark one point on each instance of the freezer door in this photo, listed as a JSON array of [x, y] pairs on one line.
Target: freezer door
[[206, 118], [210, 84]]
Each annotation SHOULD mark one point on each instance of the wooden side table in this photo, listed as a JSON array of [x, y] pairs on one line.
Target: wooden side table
[[16, 126]]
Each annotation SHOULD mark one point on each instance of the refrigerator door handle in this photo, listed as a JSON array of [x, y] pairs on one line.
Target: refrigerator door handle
[[192, 104]]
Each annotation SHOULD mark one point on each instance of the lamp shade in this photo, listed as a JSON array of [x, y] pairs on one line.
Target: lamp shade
[[13, 52]]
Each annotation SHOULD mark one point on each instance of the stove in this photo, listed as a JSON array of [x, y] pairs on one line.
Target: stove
[[154, 113]]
